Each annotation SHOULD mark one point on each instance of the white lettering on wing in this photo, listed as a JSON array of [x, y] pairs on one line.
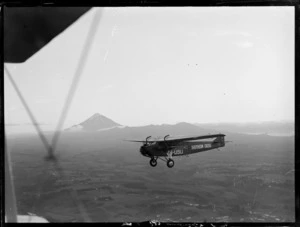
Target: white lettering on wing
[[198, 146], [207, 145]]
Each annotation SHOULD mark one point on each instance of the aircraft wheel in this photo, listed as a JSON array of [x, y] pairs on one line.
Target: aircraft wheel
[[170, 163], [153, 162]]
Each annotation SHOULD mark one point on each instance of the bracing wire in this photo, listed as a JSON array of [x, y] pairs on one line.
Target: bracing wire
[[33, 119], [10, 198], [78, 72], [74, 194], [40, 133]]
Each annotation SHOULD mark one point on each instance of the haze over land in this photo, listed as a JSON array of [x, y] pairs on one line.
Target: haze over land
[[250, 179], [280, 128]]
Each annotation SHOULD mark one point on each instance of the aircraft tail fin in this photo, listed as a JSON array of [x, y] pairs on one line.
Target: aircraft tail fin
[[220, 140]]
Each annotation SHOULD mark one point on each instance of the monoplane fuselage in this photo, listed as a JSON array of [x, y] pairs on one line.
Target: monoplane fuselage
[[179, 146]]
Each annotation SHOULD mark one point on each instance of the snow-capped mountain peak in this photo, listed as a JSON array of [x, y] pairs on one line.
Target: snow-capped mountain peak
[[95, 123], [96, 115]]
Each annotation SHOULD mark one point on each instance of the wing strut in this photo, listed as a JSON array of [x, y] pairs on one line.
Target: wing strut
[[167, 145]]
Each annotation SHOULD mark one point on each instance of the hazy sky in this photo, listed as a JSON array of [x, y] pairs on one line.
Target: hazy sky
[[165, 65]]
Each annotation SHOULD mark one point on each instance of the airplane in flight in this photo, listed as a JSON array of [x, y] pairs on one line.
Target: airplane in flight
[[169, 147]]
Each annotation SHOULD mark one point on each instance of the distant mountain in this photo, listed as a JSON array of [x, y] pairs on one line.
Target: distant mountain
[[267, 128], [97, 122], [110, 130], [113, 139], [155, 131]]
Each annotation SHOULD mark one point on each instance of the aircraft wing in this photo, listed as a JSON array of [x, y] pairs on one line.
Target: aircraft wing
[[28, 29], [180, 138], [187, 138]]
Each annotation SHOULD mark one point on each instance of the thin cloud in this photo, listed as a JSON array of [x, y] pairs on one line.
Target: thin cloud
[[235, 33], [42, 100], [106, 88], [245, 44], [114, 31], [13, 108], [19, 124], [105, 56]]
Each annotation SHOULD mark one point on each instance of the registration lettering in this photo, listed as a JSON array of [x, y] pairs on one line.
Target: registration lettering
[[177, 152]]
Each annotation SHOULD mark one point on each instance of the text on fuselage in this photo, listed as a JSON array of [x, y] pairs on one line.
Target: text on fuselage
[[200, 146], [177, 152]]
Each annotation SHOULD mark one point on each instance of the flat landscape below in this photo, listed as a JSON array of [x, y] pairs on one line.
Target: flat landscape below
[[117, 184]]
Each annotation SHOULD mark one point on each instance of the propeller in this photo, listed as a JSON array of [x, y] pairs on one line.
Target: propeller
[[140, 141], [147, 140]]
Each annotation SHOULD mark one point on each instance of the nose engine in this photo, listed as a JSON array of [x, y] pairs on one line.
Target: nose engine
[[143, 150]]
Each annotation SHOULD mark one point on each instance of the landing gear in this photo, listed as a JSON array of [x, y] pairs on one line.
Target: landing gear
[[153, 162], [170, 163]]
